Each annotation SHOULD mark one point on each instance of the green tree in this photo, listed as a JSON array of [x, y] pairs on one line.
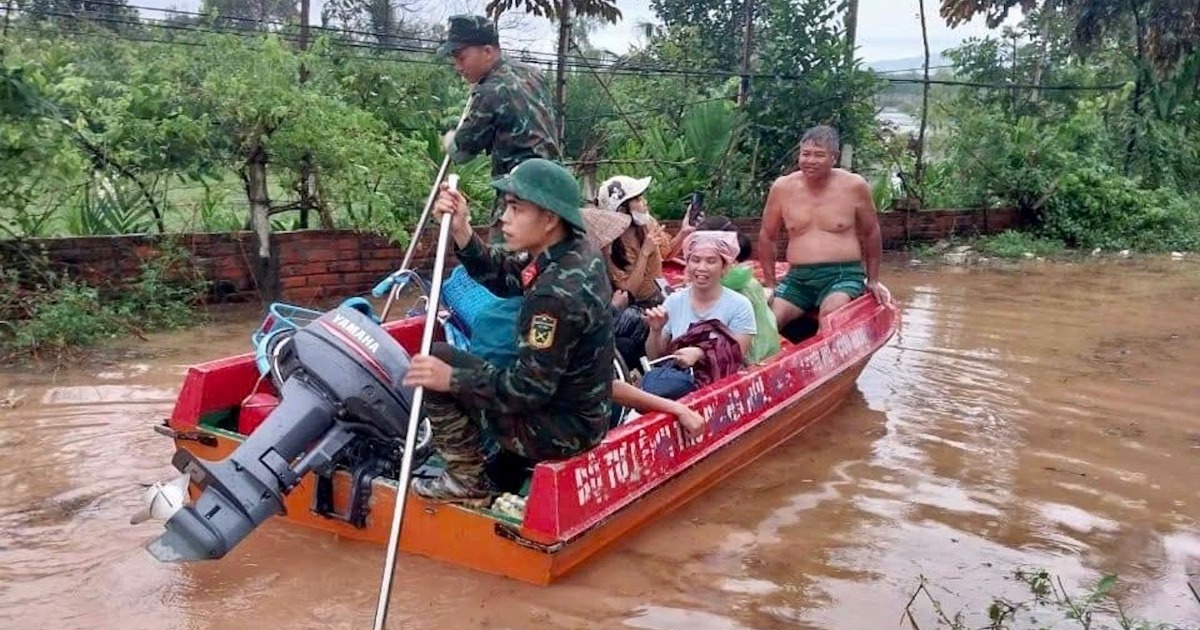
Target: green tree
[[110, 14], [801, 42], [714, 29], [251, 14]]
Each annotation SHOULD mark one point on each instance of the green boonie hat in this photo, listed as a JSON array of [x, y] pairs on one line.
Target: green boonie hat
[[468, 30], [548, 185]]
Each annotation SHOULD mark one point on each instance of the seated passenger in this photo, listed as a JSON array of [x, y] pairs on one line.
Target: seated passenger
[[629, 330], [634, 256], [709, 254], [553, 401], [834, 247], [741, 278]]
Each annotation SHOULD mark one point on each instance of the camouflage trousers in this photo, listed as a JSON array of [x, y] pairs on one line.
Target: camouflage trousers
[[460, 432]]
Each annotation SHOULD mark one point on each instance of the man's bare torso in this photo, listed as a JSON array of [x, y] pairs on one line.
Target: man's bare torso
[[820, 219]]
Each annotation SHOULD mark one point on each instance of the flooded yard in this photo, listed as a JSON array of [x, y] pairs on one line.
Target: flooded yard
[[1039, 416]]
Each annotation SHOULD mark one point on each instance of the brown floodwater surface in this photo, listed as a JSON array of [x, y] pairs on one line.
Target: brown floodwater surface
[[1043, 416]]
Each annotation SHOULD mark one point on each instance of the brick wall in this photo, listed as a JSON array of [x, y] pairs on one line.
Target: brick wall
[[320, 266]]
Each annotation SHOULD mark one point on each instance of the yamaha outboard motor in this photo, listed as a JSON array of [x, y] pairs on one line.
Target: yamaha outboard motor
[[343, 389]]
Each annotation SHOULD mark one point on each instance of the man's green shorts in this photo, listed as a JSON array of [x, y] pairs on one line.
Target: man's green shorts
[[806, 286]]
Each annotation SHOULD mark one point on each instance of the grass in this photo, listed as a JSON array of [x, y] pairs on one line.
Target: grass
[[1010, 244], [1048, 605], [45, 315], [1014, 244]]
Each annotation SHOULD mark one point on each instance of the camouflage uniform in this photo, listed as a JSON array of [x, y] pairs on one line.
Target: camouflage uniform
[[511, 118], [554, 401]]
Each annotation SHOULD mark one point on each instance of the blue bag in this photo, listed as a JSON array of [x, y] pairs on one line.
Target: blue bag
[[494, 338], [490, 322], [668, 381]]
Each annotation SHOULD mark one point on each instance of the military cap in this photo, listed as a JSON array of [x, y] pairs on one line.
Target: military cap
[[468, 30], [548, 185]]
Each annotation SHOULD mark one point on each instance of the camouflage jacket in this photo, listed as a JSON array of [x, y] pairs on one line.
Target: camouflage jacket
[[562, 376], [511, 118]]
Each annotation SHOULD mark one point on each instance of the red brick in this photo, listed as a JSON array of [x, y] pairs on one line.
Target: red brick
[[291, 255], [362, 279], [321, 253], [302, 295], [379, 266], [350, 244], [324, 279], [293, 282], [345, 265], [308, 269]]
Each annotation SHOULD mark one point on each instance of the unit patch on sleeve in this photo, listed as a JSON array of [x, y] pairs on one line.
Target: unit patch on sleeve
[[541, 331]]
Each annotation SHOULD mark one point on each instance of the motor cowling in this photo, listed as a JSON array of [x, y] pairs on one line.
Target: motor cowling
[[343, 385]]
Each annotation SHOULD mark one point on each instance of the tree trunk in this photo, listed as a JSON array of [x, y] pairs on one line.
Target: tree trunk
[[919, 170], [560, 82], [589, 183], [1016, 79], [847, 153], [8, 9], [264, 265], [1039, 68], [308, 177], [851, 31], [747, 47], [1139, 85]]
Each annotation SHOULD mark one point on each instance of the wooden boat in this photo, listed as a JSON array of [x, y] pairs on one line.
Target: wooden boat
[[577, 507]]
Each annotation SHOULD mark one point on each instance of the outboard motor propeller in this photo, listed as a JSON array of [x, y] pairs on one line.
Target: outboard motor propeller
[[345, 386]]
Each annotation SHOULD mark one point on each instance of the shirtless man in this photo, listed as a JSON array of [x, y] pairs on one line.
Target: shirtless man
[[833, 233]]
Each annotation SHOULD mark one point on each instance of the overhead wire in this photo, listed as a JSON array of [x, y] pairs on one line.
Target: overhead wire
[[574, 62]]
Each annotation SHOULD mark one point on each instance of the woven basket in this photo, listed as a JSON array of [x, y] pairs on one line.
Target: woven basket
[[465, 297]]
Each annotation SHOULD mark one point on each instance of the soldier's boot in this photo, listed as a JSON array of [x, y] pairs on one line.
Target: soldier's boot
[[452, 487], [458, 439]]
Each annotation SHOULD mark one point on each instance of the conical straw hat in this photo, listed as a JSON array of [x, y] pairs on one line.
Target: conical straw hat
[[604, 226]]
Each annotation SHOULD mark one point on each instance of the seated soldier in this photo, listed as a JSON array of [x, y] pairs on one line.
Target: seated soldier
[[553, 402]]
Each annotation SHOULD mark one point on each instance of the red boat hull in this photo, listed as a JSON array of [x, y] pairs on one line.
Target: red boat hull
[[576, 507]]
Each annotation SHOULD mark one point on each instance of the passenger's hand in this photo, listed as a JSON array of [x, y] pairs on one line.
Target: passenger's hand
[[428, 372], [684, 230], [689, 356], [620, 298], [693, 423], [656, 318], [453, 205], [649, 247], [881, 293]]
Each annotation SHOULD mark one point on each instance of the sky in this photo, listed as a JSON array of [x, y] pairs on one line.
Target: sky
[[887, 29]]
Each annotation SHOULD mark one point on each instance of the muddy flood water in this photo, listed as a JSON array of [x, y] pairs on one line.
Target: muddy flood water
[[1043, 416]]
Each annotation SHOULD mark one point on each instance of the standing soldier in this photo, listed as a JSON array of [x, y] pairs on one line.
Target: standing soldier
[[553, 402], [511, 117]]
